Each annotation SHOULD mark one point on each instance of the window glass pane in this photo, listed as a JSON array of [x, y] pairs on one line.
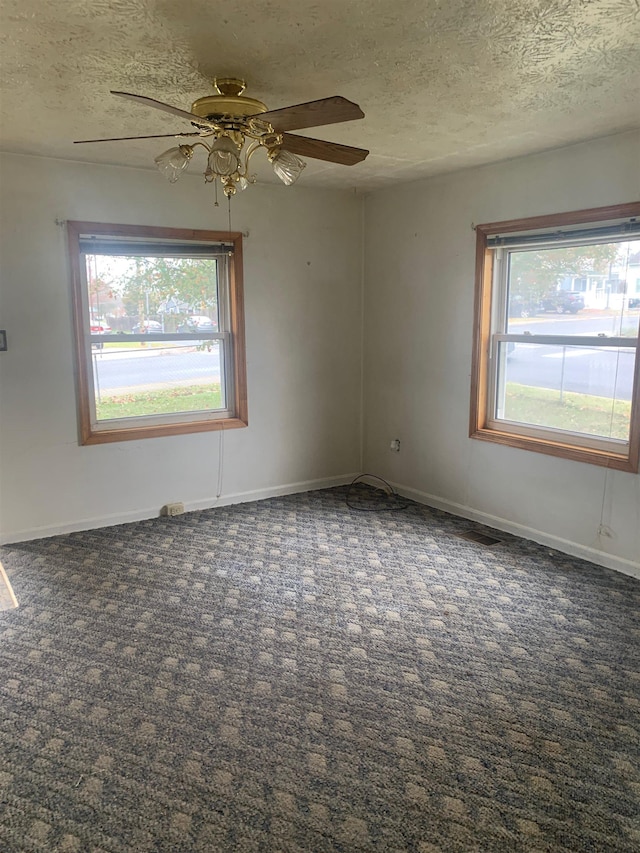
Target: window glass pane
[[583, 389], [142, 379], [141, 295], [157, 313], [575, 290]]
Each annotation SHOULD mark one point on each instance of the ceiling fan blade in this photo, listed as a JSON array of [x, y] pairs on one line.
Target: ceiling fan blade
[[333, 152], [313, 114], [167, 108], [124, 138]]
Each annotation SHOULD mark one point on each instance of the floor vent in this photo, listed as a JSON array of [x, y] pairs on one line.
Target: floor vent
[[479, 538]]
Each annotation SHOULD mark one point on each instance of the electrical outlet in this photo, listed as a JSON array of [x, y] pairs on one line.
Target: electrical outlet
[[173, 509], [395, 445]]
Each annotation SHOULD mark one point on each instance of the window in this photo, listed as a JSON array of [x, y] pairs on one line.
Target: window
[[555, 364], [159, 330]]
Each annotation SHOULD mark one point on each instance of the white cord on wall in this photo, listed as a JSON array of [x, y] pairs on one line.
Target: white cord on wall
[[220, 459]]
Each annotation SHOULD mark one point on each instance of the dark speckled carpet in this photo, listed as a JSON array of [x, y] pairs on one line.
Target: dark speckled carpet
[[293, 675]]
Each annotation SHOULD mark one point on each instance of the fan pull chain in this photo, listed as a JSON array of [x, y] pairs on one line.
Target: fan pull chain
[[229, 202], [215, 188]]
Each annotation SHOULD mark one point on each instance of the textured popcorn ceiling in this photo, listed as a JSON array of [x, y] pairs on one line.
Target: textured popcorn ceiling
[[444, 84]]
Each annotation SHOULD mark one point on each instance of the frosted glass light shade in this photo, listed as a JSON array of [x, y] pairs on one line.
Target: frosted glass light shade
[[287, 166], [174, 161], [224, 156]]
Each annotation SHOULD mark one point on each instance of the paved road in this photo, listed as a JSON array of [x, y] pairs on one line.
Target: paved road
[[604, 373], [601, 372], [595, 371], [574, 324], [122, 371]]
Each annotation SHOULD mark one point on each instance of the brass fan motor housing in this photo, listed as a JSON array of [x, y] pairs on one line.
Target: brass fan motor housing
[[228, 102]]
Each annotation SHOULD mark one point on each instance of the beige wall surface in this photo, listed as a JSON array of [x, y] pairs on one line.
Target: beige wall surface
[[302, 272], [418, 316], [303, 295]]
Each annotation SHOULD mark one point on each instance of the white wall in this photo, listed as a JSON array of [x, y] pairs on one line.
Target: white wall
[[302, 264], [303, 304], [419, 275]]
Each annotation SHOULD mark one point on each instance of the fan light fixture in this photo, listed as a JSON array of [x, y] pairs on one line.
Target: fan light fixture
[[232, 127], [287, 166], [224, 158], [232, 141], [230, 163], [174, 161]]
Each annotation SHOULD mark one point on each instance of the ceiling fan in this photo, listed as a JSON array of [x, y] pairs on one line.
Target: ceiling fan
[[232, 127]]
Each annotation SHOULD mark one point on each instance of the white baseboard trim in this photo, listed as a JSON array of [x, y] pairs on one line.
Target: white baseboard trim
[[592, 555], [574, 549], [206, 503]]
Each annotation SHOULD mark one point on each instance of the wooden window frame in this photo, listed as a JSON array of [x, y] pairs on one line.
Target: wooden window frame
[[479, 427], [84, 379]]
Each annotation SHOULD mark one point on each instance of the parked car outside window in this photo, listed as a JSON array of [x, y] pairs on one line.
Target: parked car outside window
[[562, 301], [99, 327], [519, 307], [147, 327], [198, 323]]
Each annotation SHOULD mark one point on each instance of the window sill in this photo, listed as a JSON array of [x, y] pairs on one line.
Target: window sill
[[104, 436], [607, 459]]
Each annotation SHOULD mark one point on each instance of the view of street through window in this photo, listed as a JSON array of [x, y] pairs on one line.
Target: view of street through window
[[570, 301], [153, 321]]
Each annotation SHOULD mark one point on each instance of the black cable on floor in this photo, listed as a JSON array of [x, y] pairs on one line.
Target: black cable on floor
[[390, 503]]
